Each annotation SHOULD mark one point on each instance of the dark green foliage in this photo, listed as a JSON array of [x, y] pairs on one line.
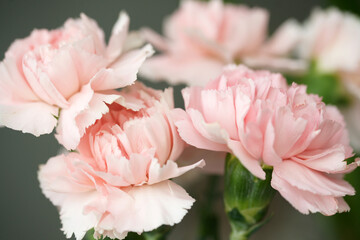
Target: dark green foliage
[[209, 224], [347, 5]]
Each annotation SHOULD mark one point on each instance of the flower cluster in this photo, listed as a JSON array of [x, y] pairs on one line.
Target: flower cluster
[[123, 139]]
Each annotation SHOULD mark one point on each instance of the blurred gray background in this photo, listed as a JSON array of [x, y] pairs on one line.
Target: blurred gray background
[[24, 212]]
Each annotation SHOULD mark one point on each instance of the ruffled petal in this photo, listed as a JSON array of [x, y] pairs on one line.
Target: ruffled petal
[[308, 202], [315, 182], [36, 118], [200, 134], [67, 131], [158, 173], [118, 36], [166, 203], [122, 72]]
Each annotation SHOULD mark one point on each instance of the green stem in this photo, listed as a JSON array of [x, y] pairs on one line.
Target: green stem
[[208, 229], [246, 198]]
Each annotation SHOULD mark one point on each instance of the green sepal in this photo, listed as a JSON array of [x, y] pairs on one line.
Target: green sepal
[[246, 198]]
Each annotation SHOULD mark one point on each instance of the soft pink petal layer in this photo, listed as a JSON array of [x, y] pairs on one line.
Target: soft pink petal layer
[[188, 70], [305, 179], [118, 36], [158, 173], [96, 109], [196, 134], [122, 72], [307, 202], [13, 86], [166, 203], [67, 131], [33, 117], [70, 196]]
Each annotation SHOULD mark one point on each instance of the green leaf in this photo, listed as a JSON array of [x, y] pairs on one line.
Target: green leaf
[[209, 223]]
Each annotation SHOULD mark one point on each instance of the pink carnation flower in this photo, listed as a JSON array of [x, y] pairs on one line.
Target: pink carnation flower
[[258, 118], [66, 74], [332, 38], [119, 179], [202, 37]]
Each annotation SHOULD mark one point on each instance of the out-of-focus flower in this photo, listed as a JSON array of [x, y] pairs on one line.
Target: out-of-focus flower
[[119, 180], [331, 38], [258, 118], [202, 37], [63, 77]]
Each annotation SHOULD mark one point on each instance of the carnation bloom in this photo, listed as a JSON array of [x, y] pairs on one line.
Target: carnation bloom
[[69, 69], [332, 39], [202, 37], [118, 180], [258, 118]]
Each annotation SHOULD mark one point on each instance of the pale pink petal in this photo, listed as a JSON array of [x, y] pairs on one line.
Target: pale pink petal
[[242, 24], [72, 216], [118, 36], [219, 106], [312, 181], [67, 131], [123, 172], [87, 63], [150, 132], [288, 130], [270, 157], [327, 160], [70, 197], [54, 177], [36, 118], [13, 85], [285, 39], [122, 72], [40, 82], [200, 134], [181, 70], [249, 162], [166, 203], [350, 167], [97, 107], [63, 73], [330, 134], [159, 173], [307, 202], [155, 39], [90, 28], [192, 98]]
